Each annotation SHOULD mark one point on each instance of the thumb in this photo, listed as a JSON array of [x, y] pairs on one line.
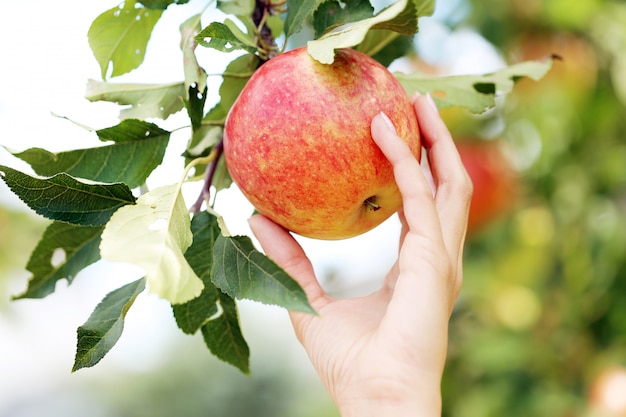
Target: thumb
[[283, 249]]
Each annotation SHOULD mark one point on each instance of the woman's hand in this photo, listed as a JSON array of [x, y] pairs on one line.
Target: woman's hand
[[384, 354]]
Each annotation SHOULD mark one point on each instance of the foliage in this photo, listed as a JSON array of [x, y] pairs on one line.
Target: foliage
[[542, 310], [97, 197]]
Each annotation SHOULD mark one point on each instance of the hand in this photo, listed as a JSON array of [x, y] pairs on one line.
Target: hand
[[384, 354]]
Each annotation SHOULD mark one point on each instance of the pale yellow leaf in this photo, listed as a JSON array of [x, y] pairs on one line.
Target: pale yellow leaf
[[154, 234], [346, 36]]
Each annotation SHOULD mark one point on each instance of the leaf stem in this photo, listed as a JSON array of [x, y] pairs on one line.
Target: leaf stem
[[231, 74], [205, 194]]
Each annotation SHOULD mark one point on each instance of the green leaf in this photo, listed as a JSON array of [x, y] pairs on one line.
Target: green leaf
[[298, 12], [130, 130], [223, 337], [406, 21], [226, 37], [161, 4], [236, 75], [192, 315], [195, 106], [154, 234], [222, 178], [276, 24], [474, 92], [194, 74], [236, 7], [145, 100], [399, 17], [66, 199], [62, 252], [119, 37], [398, 47], [203, 140], [385, 45], [333, 13], [104, 327], [128, 161], [241, 271], [213, 311]]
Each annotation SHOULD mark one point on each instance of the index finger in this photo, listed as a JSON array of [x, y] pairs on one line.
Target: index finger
[[452, 183], [417, 198]]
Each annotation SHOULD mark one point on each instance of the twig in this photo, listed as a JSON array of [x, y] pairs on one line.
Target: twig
[[209, 173]]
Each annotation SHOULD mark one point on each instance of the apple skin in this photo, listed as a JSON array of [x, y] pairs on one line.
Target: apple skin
[[298, 143]]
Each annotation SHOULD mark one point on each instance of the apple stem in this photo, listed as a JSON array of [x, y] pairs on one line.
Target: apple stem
[[370, 203], [265, 39], [211, 168]]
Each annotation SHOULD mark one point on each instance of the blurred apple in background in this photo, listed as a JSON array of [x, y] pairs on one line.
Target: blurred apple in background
[[607, 396], [574, 74], [496, 185]]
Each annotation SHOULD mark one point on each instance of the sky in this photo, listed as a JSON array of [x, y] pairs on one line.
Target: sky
[[46, 65]]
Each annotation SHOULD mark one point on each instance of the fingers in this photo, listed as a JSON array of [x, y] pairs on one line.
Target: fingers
[[420, 216], [452, 183], [283, 249]]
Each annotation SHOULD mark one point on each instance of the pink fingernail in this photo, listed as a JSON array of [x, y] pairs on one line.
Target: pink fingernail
[[432, 103], [388, 122]]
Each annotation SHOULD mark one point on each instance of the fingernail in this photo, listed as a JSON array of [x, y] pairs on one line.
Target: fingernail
[[388, 122], [432, 103]]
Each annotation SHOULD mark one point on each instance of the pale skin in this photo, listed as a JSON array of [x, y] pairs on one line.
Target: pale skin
[[384, 354]]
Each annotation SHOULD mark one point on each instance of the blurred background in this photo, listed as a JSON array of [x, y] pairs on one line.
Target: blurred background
[[540, 326]]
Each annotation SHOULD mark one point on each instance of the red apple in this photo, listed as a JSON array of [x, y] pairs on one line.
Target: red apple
[[494, 180], [298, 144], [574, 74]]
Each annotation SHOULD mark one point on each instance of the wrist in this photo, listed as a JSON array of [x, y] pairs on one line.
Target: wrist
[[367, 409], [382, 405]]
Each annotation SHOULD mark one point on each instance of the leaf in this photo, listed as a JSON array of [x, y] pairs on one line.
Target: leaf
[[236, 75], [154, 234], [385, 45], [236, 7], [333, 13], [213, 311], [297, 13], [119, 37], [161, 4], [104, 327], [226, 37], [66, 199], [406, 22], [62, 252], [223, 337], [222, 178], [276, 24], [194, 74], [128, 161], [195, 106], [131, 130], [191, 315], [203, 140], [474, 92], [399, 17], [145, 100], [243, 272]]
